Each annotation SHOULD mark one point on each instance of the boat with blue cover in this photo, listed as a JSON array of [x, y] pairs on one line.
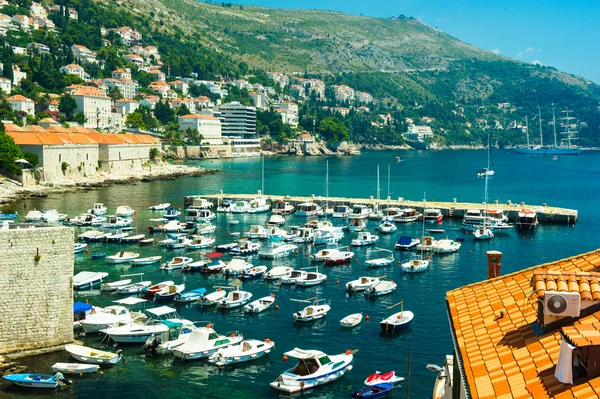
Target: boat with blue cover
[[46, 381], [190, 296], [373, 392]]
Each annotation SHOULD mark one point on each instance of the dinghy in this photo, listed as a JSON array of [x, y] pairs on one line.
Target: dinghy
[[397, 320], [134, 288], [122, 257], [255, 272], [93, 356], [44, 381], [236, 267], [235, 299], [278, 272], [146, 261], [362, 283], [115, 285], [351, 320], [150, 291], [75, 368], [260, 305], [245, 351], [212, 298], [373, 392], [98, 256], [383, 378], [169, 292], [177, 262], [83, 280], [339, 258], [382, 288], [293, 276], [78, 248], [379, 262], [311, 278], [190, 296]]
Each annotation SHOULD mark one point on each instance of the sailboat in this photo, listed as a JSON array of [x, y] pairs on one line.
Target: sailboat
[[327, 211], [489, 171], [377, 213], [417, 264], [483, 232], [260, 205]]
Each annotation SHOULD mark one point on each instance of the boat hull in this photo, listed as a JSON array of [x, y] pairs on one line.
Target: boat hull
[[548, 151], [300, 384]]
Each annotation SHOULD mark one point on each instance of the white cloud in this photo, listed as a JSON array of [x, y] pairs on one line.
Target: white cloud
[[529, 50], [537, 62], [496, 51]]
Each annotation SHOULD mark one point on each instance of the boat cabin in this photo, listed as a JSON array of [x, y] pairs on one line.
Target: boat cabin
[[308, 207], [310, 364]]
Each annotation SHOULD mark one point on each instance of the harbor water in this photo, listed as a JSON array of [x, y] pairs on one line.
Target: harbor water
[[571, 182]]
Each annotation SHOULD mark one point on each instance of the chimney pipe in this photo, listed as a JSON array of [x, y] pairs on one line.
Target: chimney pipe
[[493, 263]]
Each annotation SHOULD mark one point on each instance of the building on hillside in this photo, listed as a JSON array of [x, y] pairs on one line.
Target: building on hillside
[[6, 24], [126, 106], [38, 48], [188, 102], [20, 103], [5, 85], [149, 101], [127, 87], [83, 54], [260, 100], [95, 105], [74, 69], [23, 22], [36, 10], [202, 103], [281, 79], [18, 75], [342, 110], [363, 97], [121, 73], [208, 126], [427, 119], [73, 14], [128, 36], [160, 87], [45, 23], [343, 93], [418, 133], [134, 59], [157, 75], [238, 120], [180, 85]]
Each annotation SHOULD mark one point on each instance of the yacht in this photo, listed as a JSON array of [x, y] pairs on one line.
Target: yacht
[[259, 205], [407, 215], [275, 251], [102, 318], [281, 207], [327, 235], [527, 219], [341, 211], [98, 209], [309, 209], [240, 207], [432, 215], [360, 212]]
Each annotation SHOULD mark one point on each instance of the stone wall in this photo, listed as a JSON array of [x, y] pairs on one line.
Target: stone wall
[[36, 306]]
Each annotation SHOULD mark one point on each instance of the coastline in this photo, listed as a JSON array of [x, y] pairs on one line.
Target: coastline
[[11, 190]]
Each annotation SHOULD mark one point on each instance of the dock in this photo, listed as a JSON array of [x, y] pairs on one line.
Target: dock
[[453, 210]]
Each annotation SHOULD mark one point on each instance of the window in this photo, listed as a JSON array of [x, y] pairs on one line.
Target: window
[[87, 157], [324, 360], [59, 157]]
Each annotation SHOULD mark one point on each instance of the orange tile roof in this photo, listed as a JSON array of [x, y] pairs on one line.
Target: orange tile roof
[[18, 97], [499, 352], [192, 116], [58, 135]]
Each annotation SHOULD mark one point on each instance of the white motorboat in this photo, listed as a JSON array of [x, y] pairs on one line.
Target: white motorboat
[[323, 254], [33, 216], [341, 211], [390, 213], [483, 233], [327, 235], [179, 243], [309, 209], [235, 299], [199, 242], [179, 333], [427, 244], [138, 333], [278, 272], [75, 368], [169, 292], [115, 222], [303, 235], [203, 342], [197, 215], [383, 287], [259, 205], [146, 261], [379, 262], [260, 305], [364, 238], [387, 226], [245, 248], [282, 208], [102, 318], [122, 257], [92, 236], [362, 283], [407, 215], [153, 289], [311, 278], [83, 280], [98, 209], [172, 226], [406, 243], [415, 265], [356, 225], [446, 246], [212, 298], [293, 276], [177, 262], [312, 312], [201, 203], [240, 207], [396, 321], [134, 288], [275, 251], [360, 211], [351, 320], [236, 267], [92, 356], [79, 248], [527, 219], [225, 206], [314, 368], [339, 258], [159, 207], [245, 351], [52, 216], [432, 215], [124, 211], [115, 285], [116, 237], [257, 232], [276, 220]]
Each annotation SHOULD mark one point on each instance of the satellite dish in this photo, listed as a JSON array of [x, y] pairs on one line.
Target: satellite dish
[[557, 304]]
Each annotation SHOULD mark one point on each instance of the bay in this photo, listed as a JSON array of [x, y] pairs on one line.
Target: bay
[[570, 182]]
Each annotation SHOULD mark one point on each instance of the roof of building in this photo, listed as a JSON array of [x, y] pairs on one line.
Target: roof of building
[[18, 97], [193, 116], [500, 352], [58, 135]]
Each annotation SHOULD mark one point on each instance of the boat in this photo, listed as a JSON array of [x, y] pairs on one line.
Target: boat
[[134, 288], [169, 292], [102, 318], [260, 305], [415, 265], [373, 391], [122, 257], [150, 291], [42, 381], [363, 239], [33, 217], [441, 385], [132, 239], [446, 246], [211, 265], [236, 267], [83, 280], [255, 272], [314, 368], [387, 226], [389, 377], [351, 320], [98, 209], [259, 205], [92, 356], [6, 216], [177, 262], [179, 243], [281, 207], [407, 215], [171, 226], [276, 220], [311, 278], [494, 218], [275, 251], [115, 285], [115, 222], [179, 333], [432, 215], [196, 215], [235, 299], [436, 231], [146, 261], [406, 243], [227, 247], [527, 219], [339, 258], [278, 272], [145, 242], [116, 237], [356, 225], [225, 206], [257, 232], [390, 213], [205, 341], [139, 333], [427, 244], [172, 214], [212, 298], [380, 262], [293, 276], [383, 287], [303, 235], [78, 248], [396, 321], [52, 216], [245, 248], [362, 283], [159, 207], [75, 368], [311, 312], [483, 233], [360, 211], [244, 351], [202, 203], [240, 207], [309, 209], [98, 256], [341, 211], [93, 236], [124, 211]]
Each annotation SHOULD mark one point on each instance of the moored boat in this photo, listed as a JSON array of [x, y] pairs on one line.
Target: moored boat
[[122, 257], [527, 219], [397, 320], [363, 239], [245, 351], [75, 368], [91, 355], [212, 298], [362, 283], [351, 320], [83, 280], [373, 391], [312, 312], [203, 342], [42, 381], [190, 296], [235, 299], [383, 287], [177, 262], [255, 272], [278, 272], [260, 305], [146, 261]]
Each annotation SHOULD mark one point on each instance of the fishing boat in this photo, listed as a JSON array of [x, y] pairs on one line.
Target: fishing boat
[[383, 287], [124, 211], [363, 239], [432, 215], [172, 214], [407, 215], [374, 391], [212, 298], [83, 280], [356, 225], [362, 283], [427, 244], [278, 272], [236, 267], [339, 258], [327, 235], [256, 232], [169, 292], [387, 226], [33, 217], [351, 320], [360, 211], [146, 261], [199, 215], [415, 265], [235, 299], [379, 262], [78, 248], [255, 272], [276, 220], [41, 381], [177, 262], [122, 257], [245, 248], [150, 291], [245, 351], [159, 207], [312, 312], [145, 242], [115, 285], [483, 233], [275, 251], [293, 276], [311, 278], [314, 368], [389, 377], [115, 222], [260, 305], [281, 207], [446, 246], [190, 296], [527, 219], [227, 247], [75, 368], [205, 341], [202, 203], [92, 356], [341, 211], [406, 243], [396, 321], [309, 209], [134, 288], [240, 207], [323, 254]]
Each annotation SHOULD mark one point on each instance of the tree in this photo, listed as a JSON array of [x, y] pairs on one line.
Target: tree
[[164, 113], [80, 118], [183, 110], [115, 93], [333, 130], [136, 120], [153, 154], [8, 148], [67, 105], [31, 158]]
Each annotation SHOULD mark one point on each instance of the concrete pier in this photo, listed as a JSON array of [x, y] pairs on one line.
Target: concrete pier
[[453, 210]]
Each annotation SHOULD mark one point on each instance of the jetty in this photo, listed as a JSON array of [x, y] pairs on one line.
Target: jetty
[[453, 210]]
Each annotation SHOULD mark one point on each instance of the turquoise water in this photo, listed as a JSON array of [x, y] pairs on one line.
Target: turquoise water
[[569, 182]]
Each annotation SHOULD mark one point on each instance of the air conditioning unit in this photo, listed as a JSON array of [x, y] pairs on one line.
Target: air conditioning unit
[[562, 304]]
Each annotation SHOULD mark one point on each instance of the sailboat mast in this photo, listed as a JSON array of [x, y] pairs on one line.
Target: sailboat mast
[[388, 193], [327, 185], [262, 188], [554, 125], [540, 118], [527, 130], [378, 189]]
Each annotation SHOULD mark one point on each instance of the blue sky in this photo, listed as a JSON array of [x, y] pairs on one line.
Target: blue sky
[[563, 34]]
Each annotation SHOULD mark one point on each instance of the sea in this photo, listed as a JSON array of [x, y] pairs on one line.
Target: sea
[[569, 181]]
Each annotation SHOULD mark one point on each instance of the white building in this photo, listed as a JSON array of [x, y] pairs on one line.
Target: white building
[[343, 93], [18, 76], [238, 120], [180, 85], [418, 133], [39, 48], [134, 59], [157, 75], [73, 69], [83, 54], [21, 103], [208, 126], [121, 73], [127, 106], [5, 85], [127, 87], [95, 105]]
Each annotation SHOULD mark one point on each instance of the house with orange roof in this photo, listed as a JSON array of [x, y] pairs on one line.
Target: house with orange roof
[[83, 54], [22, 104], [126, 106], [160, 87], [157, 75], [121, 73], [202, 103], [127, 87], [207, 125], [73, 69], [134, 59], [180, 85], [95, 105]]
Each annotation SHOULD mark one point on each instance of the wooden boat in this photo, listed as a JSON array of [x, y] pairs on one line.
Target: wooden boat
[[159, 207], [43, 381], [384, 287], [190, 296], [146, 261], [177, 262], [150, 291], [75, 368], [93, 356], [169, 292], [260, 305], [134, 288], [122, 257], [373, 392], [351, 320], [255, 272], [278, 272], [212, 298], [383, 378], [78, 248], [83, 280], [115, 285], [235, 299], [98, 256], [362, 283], [293, 276], [245, 351]]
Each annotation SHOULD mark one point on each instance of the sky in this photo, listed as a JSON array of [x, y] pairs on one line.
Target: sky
[[562, 34]]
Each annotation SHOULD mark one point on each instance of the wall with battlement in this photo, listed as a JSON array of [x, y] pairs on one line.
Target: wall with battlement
[[36, 305]]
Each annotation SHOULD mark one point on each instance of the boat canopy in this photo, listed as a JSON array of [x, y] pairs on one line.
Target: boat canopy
[[172, 324], [161, 310], [130, 301], [213, 255], [198, 290], [80, 307], [405, 240], [303, 354]]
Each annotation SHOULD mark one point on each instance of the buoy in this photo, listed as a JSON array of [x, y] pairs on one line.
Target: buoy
[[523, 237], [276, 306], [470, 251], [232, 335], [208, 325], [284, 358], [398, 262], [229, 232], [356, 260], [267, 340], [337, 282], [101, 372], [347, 351], [272, 295], [296, 252], [399, 317], [306, 255], [367, 317], [87, 251], [531, 238]]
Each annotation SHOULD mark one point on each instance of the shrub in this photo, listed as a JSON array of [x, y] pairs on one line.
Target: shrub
[[64, 166]]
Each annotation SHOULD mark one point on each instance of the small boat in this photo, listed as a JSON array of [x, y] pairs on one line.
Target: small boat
[[172, 214], [256, 232], [309, 209], [227, 247], [383, 287], [115, 222], [93, 236], [240, 207], [235, 299], [432, 215], [293, 276], [397, 320], [341, 211], [115, 285], [78, 248], [190, 296], [44, 381], [527, 219], [245, 248], [93, 356], [234, 222], [98, 256], [132, 239], [276, 220], [33, 217], [356, 225], [259, 205], [197, 215], [116, 237], [177, 262], [203, 342], [360, 211], [351, 320], [373, 392], [146, 261], [83, 280], [363, 239], [339, 258], [179, 243], [255, 272], [124, 211], [483, 233], [314, 368], [212, 298], [199, 242], [260, 305], [323, 255], [122, 257], [362, 283], [236, 267], [159, 207], [278, 272], [311, 278], [169, 292], [101, 318], [205, 228], [275, 251], [282, 208], [383, 378], [6, 216], [407, 215], [312, 312], [379, 262], [427, 244], [446, 246], [460, 238], [75, 368], [134, 288], [211, 266], [387, 227], [415, 265], [150, 291], [245, 351]]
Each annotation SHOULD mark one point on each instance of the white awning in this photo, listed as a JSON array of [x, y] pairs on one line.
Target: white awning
[[564, 367], [303, 354], [161, 310], [130, 301]]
